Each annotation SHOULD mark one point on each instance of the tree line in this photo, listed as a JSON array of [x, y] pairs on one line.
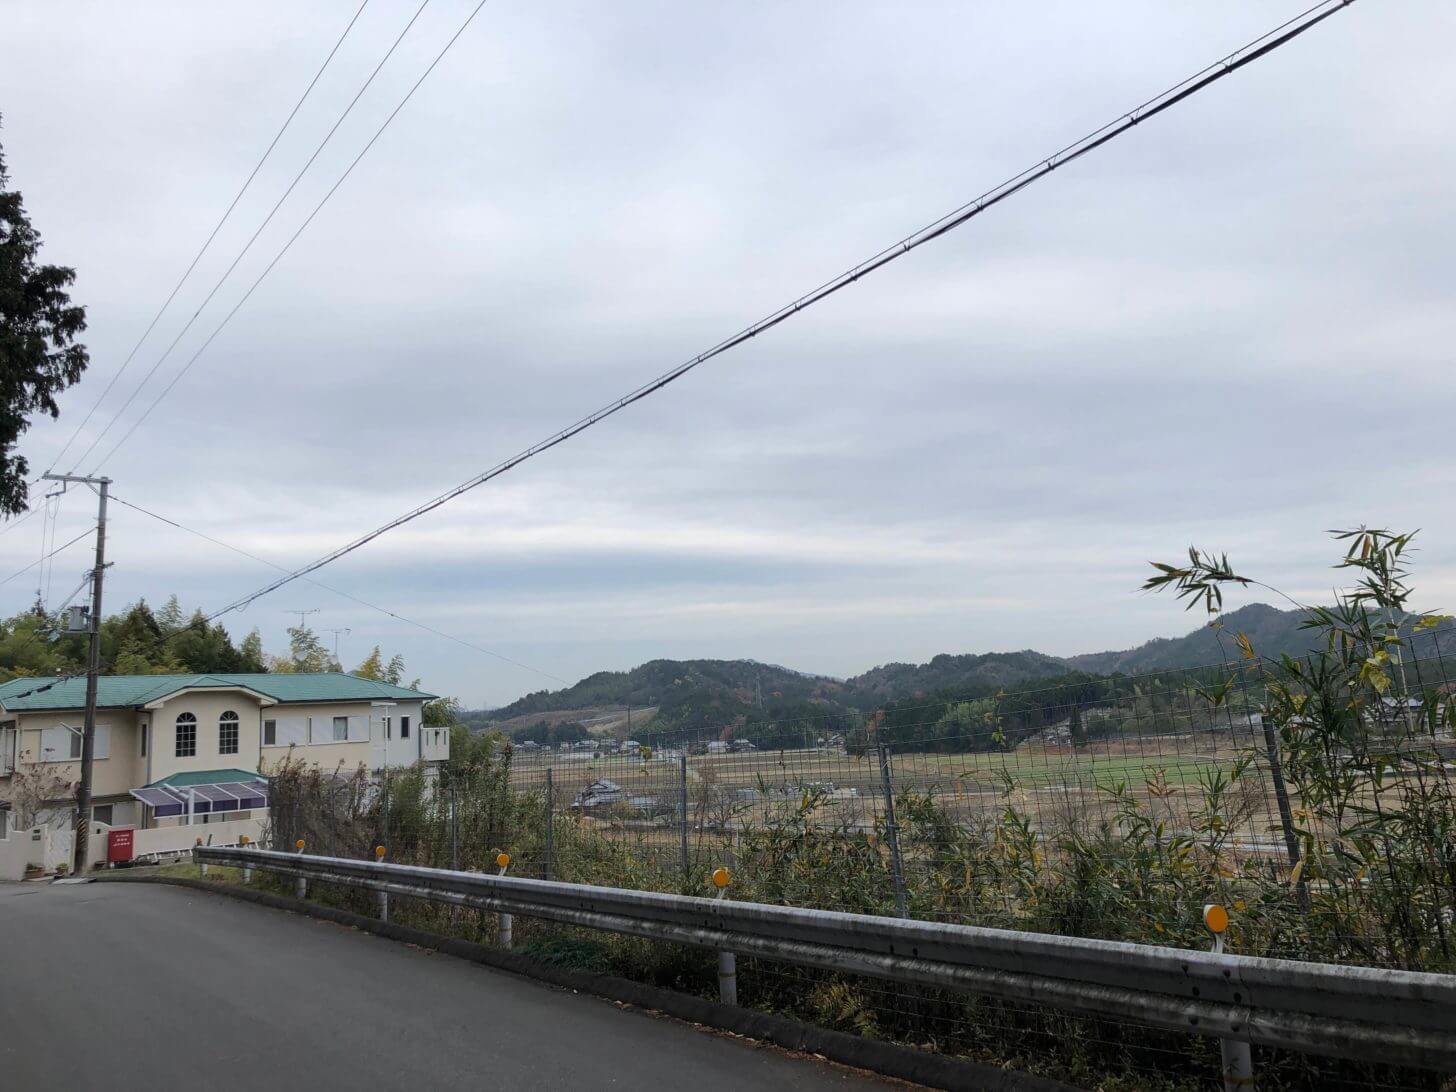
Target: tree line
[[168, 641]]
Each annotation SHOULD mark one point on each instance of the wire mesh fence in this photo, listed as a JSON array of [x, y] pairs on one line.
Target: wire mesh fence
[[1112, 808]]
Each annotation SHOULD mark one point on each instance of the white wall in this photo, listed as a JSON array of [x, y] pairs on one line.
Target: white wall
[[179, 839], [395, 749], [367, 744], [18, 849]]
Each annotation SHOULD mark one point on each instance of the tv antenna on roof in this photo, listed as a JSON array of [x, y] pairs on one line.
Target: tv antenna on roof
[[303, 615]]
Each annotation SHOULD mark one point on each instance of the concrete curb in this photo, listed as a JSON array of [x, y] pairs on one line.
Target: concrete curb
[[889, 1059]]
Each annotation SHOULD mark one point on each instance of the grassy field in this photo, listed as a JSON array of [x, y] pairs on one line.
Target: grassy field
[[571, 772]]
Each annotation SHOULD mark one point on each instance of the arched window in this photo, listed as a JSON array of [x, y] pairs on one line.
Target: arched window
[[227, 733], [186, 735]]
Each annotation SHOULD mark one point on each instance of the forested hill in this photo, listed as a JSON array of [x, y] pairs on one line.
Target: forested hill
[[890, 682], [1273, 632], [699, 693], [711, 687]]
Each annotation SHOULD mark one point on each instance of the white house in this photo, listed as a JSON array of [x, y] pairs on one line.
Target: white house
[[178, 748]]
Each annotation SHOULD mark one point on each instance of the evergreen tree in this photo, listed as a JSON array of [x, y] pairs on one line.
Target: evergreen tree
[[23, 651], [203, 648], [132, 659], [170, 616], [136, 642], [251, 651], [39, 354]]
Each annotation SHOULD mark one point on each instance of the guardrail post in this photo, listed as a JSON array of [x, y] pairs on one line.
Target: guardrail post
[[892, 830], [1237, 1057], [683, 805], [383, 895], [301, 887], [201, 864], [504, 934], [550, 823], [727, 961]]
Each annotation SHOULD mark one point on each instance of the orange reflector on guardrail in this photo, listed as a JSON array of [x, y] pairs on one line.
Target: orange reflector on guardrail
[[1215, 917]]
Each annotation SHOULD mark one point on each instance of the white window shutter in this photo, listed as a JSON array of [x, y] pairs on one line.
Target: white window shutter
[[292, 731], [55, 745]]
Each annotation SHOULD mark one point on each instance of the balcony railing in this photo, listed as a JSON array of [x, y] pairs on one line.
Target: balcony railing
[[434, 744]]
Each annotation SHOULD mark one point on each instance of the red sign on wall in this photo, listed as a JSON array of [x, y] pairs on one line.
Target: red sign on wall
[[118, 845]]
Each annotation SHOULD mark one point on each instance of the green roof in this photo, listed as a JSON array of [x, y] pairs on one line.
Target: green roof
[[204, 777], [131, 691]]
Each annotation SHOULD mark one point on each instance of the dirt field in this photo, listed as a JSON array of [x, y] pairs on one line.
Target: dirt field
[[1055, 785], [608, 721]]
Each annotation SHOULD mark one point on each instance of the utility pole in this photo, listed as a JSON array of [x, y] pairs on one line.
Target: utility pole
[[93, 671]]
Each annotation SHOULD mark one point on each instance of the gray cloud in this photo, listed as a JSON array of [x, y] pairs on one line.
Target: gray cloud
[[1229, 327]]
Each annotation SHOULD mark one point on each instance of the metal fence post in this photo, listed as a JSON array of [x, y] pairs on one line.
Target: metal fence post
[[385, 783], [454, 832], [683, 805], [1281, 797], [887, 782], [550, 823]]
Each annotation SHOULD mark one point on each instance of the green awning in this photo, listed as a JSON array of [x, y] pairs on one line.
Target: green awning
[[204, 777]]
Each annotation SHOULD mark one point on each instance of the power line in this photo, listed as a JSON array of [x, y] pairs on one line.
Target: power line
[[46, 557], [47, 528], [1259, 47], [208, 242], [293, 238], [246, 247], [340, 592], [49, 569], [16, 522]]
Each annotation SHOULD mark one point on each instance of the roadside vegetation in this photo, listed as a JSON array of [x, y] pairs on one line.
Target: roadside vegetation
[[1358, 865]]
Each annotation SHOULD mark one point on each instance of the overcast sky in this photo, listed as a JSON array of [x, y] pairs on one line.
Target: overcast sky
[[1231, 327]]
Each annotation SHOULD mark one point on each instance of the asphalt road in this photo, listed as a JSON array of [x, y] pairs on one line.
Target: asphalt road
[[136, 986]]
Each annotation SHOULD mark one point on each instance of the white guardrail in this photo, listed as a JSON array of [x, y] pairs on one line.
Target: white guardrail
[[1376, 1015]]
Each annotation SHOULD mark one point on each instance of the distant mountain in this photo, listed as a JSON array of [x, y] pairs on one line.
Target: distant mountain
[[890, 682], [690, 694], [1273, 632]]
